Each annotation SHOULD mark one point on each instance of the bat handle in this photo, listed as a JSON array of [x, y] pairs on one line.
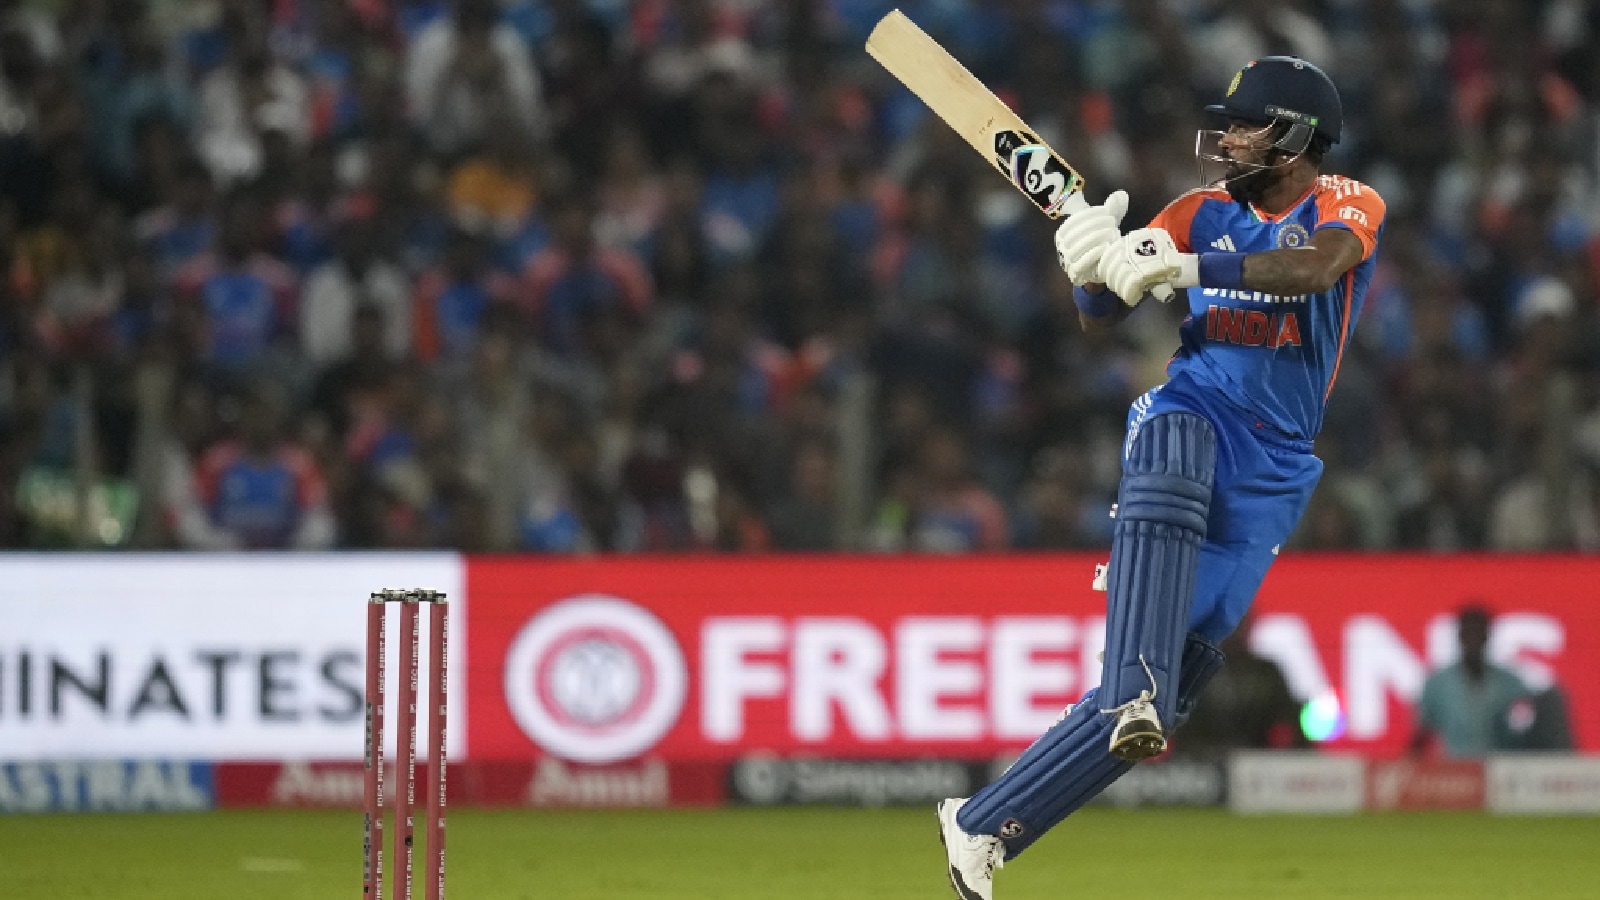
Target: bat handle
[[1076, 204]]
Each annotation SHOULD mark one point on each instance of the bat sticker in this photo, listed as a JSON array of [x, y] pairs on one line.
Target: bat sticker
[[1033, 168]]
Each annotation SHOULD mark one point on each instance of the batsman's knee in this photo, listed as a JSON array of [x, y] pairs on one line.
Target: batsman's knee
[[1177, 500], [1169, 460]]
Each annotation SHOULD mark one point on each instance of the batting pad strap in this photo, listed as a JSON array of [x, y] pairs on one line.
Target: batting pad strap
[[1201, 661]]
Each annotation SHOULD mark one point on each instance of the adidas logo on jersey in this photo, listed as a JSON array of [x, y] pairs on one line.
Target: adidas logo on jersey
[[1225, 243]]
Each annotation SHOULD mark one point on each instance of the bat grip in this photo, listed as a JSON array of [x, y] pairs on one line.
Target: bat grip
[[1074, 203]]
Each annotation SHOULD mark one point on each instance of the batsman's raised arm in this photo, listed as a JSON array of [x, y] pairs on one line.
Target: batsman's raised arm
[[1312, 270]]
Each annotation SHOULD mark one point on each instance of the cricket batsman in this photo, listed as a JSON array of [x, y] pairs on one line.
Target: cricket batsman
[[1217, 465]]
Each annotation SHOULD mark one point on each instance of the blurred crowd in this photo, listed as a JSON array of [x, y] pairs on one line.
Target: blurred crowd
[[676, 275]]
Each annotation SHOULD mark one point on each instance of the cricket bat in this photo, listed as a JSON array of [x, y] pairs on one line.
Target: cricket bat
[[959, 98], [998, 134]]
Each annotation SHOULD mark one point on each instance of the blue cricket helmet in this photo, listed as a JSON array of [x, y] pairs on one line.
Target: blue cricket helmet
[[1284, 89]]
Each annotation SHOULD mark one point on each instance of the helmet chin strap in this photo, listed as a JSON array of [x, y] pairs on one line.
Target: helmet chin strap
[[1202, 157], [1257, 169]]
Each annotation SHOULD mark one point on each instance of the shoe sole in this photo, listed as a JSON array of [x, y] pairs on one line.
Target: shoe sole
[[1139, 742], [960, 887]]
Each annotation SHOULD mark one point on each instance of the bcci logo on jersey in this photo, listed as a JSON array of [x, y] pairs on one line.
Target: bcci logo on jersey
[[1292, 236]]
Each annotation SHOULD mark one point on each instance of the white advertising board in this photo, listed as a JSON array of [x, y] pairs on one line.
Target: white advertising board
[[1280, 781], [1543, 784], [222, 657]]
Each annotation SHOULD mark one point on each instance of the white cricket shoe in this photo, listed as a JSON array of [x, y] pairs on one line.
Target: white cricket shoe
[[1138, 734], [972, 858]]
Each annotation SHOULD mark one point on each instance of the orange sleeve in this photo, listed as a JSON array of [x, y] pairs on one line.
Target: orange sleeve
[[1178, 217], [1346, 203]]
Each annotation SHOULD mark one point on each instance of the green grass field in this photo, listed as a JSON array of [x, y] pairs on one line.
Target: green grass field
[[807, 854]]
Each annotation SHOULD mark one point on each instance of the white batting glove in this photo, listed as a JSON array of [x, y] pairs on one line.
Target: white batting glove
[[1086, 234], [1146, 261]]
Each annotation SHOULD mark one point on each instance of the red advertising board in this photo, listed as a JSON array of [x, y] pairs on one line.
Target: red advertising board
[[1408, 783], [878, 657], [600, 661], [544, 782], [1370, 629]]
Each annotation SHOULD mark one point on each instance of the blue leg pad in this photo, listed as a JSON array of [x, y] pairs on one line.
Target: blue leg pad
[[1068, 766], [1064, 769], [1201, 660], [1161, 519], [1162, 506]]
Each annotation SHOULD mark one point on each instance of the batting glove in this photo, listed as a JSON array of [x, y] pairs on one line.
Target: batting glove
[[1146, 261], [1086, 234]]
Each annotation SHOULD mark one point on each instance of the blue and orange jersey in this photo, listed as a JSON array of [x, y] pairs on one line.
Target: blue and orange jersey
[[1275, 357]]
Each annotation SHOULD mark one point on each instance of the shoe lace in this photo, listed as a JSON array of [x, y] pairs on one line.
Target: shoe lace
[[994, 857], [1144, 696]]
